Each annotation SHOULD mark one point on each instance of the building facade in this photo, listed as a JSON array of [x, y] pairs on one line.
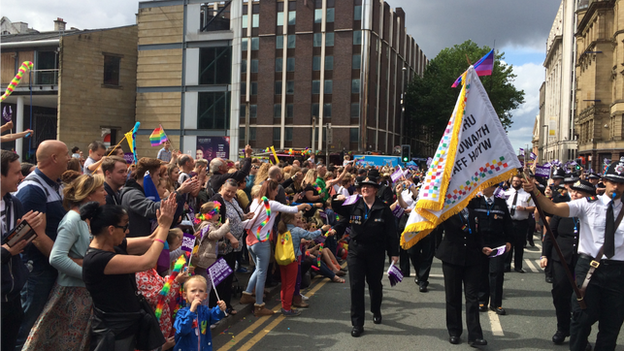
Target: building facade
[[600, 80], [282, 73], [556, 125], [82, 87]]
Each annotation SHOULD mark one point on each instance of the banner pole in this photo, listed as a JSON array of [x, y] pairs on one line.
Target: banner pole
[[577, 292]]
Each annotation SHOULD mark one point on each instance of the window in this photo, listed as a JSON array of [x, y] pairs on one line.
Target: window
[[280, 18], [254, 88], [213, 110], [328, 86], [329, 39], [279, 42], [357, 13], [330, 15], [318, 37], [245, 19], [255, 43], [255, 20], [244, 44], [111, 69], [316, 87], [252, 133], [254, 66], [243, 66], [327, 110], [355, 110], [276, 134], [253, 111], [292, 18], [215, 65], [290, 87], [354, 135], [355, 86], [316, 63], [357, 37], [329, 63], [243, 85], [291, 41], [357, 61], [277, 111], [278, 87], [290, 64], [48, 64], [242, 110], [318, 15], [290, 110], [278, 64], [288, 134], [315, 110]]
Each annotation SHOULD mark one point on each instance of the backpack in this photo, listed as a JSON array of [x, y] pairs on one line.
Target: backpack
[[284, 249]]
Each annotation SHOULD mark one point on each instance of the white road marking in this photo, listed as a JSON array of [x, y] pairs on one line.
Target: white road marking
[[497, 328], [537, 263], [530, 265]]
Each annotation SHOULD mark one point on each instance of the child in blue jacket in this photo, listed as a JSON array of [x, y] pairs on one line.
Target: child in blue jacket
[[194, 322]]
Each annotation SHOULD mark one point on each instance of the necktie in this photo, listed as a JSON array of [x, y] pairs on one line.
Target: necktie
[[513, 205], [609, 241], [490, 201]]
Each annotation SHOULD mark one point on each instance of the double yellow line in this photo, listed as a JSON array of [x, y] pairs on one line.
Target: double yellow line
[[261, 334]]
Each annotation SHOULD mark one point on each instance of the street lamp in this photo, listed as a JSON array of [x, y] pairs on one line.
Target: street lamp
[[545, 143], [403, 106]]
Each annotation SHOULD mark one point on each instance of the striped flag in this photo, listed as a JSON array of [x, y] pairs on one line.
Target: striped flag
[[483, 67], [158, 136]]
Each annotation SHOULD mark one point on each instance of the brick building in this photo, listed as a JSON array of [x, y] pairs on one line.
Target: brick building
[[274, 73], [83, 84]]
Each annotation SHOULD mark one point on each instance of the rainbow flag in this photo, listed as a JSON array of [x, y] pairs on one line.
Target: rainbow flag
[[483, 67], [158, 136]]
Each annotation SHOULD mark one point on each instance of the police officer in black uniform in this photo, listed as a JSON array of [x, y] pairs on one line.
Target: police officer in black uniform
[[373, 233], [493, 223], [461, 255], [566, 232], [601, 247]]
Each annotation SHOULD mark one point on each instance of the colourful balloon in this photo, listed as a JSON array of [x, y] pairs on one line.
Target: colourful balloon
[[26, 65]]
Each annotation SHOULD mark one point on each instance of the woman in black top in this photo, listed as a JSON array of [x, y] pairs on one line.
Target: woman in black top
[[122, 321], [311, 192]]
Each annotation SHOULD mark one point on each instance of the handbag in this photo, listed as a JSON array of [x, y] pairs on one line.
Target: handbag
[[284, 249]]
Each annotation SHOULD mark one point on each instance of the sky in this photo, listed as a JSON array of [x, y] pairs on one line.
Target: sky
[[517, 28]]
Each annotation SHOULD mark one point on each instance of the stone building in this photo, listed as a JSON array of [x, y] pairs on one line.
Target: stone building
[[83, 84], [274, 73], [600, 80], [556, 121]]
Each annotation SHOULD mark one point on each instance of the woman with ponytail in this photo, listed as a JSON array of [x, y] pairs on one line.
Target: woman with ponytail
[[122, 319], [65, 320]]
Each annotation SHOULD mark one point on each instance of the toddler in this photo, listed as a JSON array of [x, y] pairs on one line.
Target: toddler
[[193, 322]]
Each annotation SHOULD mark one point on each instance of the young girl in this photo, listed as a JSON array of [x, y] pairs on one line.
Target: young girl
[[209, 231], [289, 272], [193, 322]]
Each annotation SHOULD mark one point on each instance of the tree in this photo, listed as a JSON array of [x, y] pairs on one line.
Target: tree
[[430, 99]]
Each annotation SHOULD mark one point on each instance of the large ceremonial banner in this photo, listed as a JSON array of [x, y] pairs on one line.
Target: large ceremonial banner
[[474, 153]]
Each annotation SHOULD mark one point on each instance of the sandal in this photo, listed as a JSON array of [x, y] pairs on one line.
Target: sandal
[[337, 279]]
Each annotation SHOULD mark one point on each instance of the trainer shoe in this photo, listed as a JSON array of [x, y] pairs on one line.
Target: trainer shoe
[[291, 313]]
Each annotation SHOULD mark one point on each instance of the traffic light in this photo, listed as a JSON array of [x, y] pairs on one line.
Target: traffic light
[[405, 153], [579, 164]]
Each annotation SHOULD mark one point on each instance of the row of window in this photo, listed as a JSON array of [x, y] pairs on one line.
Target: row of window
[[290, 87], [290, 110], [290, 64], [292, 16], [291, 41], [288, 134]]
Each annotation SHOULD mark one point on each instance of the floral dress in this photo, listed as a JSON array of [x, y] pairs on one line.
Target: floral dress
[[150, 284]]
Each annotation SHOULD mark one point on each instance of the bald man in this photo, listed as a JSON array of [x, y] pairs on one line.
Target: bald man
[[276, 173], [40, 191]]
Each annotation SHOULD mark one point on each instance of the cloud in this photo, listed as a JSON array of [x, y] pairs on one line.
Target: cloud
[[530, 77], [439, 24]]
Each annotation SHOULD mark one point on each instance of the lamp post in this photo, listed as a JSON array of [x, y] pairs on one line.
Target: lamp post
[[403, 124], [545, 143]]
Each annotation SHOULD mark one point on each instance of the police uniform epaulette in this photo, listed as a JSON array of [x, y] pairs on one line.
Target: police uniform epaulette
[[592, 198]]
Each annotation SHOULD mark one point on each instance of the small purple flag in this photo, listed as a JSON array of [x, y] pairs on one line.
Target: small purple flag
[[394, 274], [188, 242], [219, 270], [542, 171], [7, 114], [533, 156], [350, 200], [497, 251]]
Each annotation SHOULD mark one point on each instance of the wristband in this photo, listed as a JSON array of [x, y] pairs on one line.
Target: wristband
[[537, 193], [160, 241]]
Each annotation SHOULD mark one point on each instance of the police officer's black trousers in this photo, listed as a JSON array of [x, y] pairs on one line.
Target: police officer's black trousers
[[562, 292], [366, 264], [605, 303], [517, 244], [491, 280], [454, 278], [421, 256]]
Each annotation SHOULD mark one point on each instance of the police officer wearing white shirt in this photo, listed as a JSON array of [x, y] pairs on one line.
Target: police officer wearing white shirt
[[520, 208], [604, 295]]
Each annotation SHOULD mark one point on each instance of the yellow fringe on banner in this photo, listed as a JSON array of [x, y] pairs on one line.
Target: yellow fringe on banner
[[451, 152], [425, 228]]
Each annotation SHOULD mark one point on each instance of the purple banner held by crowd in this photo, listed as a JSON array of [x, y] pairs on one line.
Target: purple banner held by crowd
[[219, 270]]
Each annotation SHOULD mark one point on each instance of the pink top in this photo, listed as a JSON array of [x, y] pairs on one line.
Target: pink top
[[260, 213]]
